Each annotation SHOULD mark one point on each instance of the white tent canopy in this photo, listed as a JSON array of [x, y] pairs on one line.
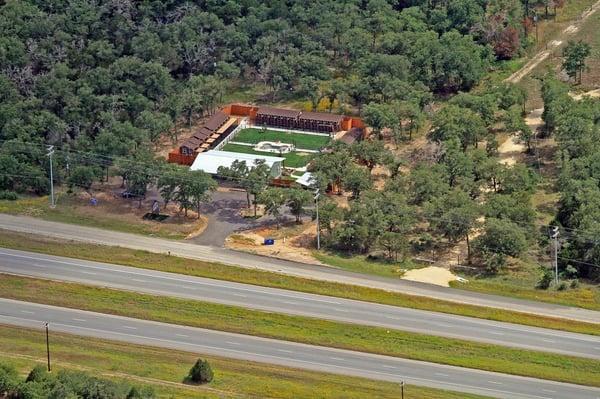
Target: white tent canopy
[[210, 161]]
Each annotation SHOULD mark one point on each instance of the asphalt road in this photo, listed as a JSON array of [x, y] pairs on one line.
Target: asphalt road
[[290, 302], [213, 254], [287, 354]]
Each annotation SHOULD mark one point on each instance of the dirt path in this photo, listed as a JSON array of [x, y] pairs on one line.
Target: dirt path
[[552, 45]]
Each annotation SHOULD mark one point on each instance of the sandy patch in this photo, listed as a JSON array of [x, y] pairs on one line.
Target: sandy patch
[[296, 247], [509, 151], [592, 93], [432, 275]]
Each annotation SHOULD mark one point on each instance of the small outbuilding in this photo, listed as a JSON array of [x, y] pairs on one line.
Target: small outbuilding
[[210, 161]]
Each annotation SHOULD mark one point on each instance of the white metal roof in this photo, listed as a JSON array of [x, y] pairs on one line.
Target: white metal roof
[[306, 179], [210, 161]]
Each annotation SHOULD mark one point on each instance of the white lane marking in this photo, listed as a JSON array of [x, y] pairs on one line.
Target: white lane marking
[[393, 318], [336, 358], [291, 303], [182, 335], [496, 333], [90, 273], [130, 328], [27, 312], [240, 295], [389, 367], [442, 324], [79, 319], [139, 280], [548, 390], [38, 265], [442, 374], [284, 351], [495, 382], [232, 343], [548, 340], [340, 310]]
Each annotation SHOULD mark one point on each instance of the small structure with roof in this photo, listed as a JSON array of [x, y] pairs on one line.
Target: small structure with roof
[[210, 161], [277, 117], [320, 122]]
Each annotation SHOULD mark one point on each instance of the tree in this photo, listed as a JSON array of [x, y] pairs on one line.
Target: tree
[[371, 152], [273, 199], [296, 200], [501, 237], [379, 116], [454, 122], [453, 216], [199, 186], [357, 180], [253, 179], [83, 177], [574, 54], [169, 181], [515, 123], [394, 243], [201, 372]]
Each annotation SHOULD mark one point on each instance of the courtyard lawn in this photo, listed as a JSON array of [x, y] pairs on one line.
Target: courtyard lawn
[[292, 159], [302, 141]]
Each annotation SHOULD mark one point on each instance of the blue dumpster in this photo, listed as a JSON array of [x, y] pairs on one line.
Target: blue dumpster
[[269, 241]]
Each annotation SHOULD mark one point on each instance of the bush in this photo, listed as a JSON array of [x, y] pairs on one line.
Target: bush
[[546, 279], [575, 283], [9, 379], [200, 373], [562, 286], [37, 374], [8, 195], [570, 272]]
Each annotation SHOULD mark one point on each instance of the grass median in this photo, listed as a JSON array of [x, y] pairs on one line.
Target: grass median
[[148, 260], [304, 329], [164, 370]]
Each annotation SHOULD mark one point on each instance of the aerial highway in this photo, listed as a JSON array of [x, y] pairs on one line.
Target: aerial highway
[[290, 354], [187, 250], [297, 303]]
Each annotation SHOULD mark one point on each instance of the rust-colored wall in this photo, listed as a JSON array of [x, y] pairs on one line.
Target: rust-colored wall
[[243, 110], [350, 122], [176, 157]]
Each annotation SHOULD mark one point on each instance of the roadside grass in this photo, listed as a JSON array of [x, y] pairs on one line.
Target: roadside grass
[[302, 141], [173, 264], [305, 330], [363, 264], [75, 210], [292, 159], [164, 369]]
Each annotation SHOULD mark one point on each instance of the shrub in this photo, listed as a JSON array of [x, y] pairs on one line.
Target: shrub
[[200, 373], [546, 279], [8, 195], [562, 286], [37, 374], [575, 283], [9, 379]]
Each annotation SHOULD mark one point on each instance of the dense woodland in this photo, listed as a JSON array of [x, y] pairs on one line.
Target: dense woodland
[[104, 81]]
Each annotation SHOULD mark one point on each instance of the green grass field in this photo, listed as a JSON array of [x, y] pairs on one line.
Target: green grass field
[[302, 141], [165, 369], [292, 159], [148, 260], [304, 329]]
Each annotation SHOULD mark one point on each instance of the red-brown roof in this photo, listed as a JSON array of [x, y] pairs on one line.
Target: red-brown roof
[[281, 112], [202, 133], [352, 135], [216, 121], [322, 116]]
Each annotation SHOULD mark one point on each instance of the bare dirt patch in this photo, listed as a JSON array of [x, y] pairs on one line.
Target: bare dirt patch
[[432, 275], [292, 242]]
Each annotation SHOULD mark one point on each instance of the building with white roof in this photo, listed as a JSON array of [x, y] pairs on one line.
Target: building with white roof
[[210, 161]]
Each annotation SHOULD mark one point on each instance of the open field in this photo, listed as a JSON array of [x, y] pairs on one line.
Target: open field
[[292, 159], [147, 260], [301, 141], [111, 214], [362, 264], [305, 330], [165, 369]]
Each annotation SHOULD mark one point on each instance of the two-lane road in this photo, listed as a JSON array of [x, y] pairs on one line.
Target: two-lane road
[[212, 254], [297, 303], [287, 354]]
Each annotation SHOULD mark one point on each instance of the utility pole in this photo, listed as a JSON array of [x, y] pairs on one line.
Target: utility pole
[[554, 236], [317, 194], [48, 347], [402, 388], [49, 154]]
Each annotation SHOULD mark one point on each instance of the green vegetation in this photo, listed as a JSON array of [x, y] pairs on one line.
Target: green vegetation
[[65, 384], [292, 159], [164, 369], [306, 330], [301, 141], [147, 260], [74, 210], [362, 264]]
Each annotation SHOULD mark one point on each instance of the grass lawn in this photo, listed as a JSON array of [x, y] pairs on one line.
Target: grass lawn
[[164, 369], [292, 159], [123, 216], [147, 260], [305, 330], [302, 141], [362, 264]]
